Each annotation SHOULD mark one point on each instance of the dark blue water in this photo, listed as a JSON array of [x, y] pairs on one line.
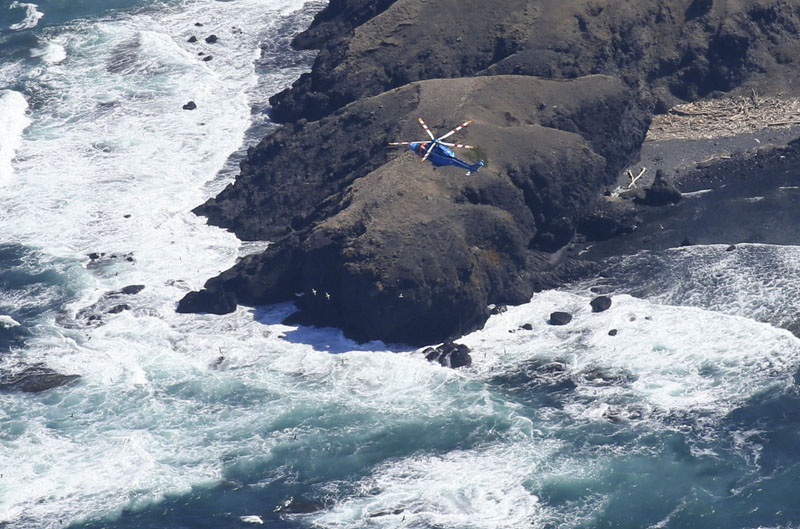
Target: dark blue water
[[687, 416]]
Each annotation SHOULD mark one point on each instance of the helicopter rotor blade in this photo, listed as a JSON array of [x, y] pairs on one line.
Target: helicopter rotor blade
[[456, 129], [403, 142], [456, 145], [430, 150], [424, 126]]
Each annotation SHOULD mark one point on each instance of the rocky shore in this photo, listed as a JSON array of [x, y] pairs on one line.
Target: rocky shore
[[369, 239]]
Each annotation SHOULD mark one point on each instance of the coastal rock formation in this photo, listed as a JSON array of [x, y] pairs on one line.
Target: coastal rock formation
[[368, 239], [397, 250], [660, 193], [670, 51], [449, 354]]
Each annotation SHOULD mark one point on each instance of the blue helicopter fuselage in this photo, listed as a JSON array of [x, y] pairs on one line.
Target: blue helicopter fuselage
[[441, 156]]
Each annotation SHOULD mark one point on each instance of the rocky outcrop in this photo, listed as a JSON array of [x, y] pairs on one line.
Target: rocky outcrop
[[397, 250], [670, 51], [449, 354], [660, 193], [368, 239]]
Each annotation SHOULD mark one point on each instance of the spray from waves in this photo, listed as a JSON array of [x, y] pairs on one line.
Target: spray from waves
[[50, 53], [32, 16], [652, 366], [758, 281], [13, 122]]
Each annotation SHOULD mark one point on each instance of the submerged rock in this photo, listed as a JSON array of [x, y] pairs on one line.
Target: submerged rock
[[449, 354], [34, 379]]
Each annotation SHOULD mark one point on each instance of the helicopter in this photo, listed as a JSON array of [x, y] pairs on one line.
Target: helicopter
[[438, 152]]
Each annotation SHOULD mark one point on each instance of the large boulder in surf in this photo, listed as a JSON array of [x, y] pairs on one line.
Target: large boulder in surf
[[600, 303], [208, 302], [559, 318], [34, 379], [449, 354], [409, 253]]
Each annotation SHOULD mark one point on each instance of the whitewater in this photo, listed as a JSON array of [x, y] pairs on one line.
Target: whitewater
[[684, 416]]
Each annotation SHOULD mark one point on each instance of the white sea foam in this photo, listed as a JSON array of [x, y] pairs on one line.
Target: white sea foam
[[50, 53], [757, 281], [668, 359], [32, 15], [7, 321], [109, 138], [169, 402], [13, 122]]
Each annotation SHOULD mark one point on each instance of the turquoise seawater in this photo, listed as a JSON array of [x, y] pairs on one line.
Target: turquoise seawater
[[687, 417]]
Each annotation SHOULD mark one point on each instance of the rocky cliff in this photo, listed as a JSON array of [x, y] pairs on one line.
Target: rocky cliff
[[369, 239]]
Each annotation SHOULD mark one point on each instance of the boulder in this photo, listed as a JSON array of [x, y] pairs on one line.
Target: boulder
[[560, 318], [600, 303], [211, 39], [449, 354], [192, 39], [209, 302], [34, 379], [661, 193], [191, 105]]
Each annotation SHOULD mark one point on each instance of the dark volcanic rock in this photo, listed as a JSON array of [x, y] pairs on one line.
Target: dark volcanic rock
[[449, 354], [660, 193], [400, 252], [34, 379], [609, 217], [671, 50], [600, 303], [191, 105], [560, 318], [209, 302], [211, 39], [408, 253], [192, 39], [94, 315]]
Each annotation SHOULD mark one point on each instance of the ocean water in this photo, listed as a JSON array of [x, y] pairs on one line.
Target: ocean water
[[687, 416]]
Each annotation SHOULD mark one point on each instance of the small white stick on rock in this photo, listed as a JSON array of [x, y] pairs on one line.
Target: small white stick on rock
[[635, 178]]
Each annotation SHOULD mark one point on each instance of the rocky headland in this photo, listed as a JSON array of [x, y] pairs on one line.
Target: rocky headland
[[561, 95]]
